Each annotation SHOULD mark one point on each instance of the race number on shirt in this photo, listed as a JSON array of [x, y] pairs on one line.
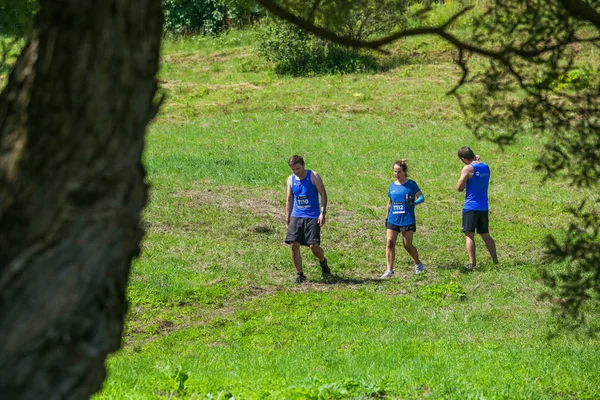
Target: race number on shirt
[[302, 202], [398, 208]]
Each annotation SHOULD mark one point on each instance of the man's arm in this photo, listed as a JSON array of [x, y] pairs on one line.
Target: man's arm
[[465, 174], [316, 180], [289, 202]]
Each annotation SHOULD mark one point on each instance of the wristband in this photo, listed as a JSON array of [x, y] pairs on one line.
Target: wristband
[[420, 199]]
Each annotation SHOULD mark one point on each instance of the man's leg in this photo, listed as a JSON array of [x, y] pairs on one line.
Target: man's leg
[[407, 238], [296, 256], [312, 234], [318, 252], [491, 246], [470, 243]]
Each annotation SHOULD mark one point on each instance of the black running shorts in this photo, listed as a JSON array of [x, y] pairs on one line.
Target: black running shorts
[[305, 231], [475, 221], [397, 228]]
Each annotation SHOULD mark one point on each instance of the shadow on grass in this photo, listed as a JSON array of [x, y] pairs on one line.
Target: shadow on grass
[[451, 266], [484, 266], [334, 280], [412, 57]]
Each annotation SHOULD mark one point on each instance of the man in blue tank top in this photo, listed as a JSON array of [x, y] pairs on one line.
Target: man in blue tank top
[[475, 177], [303, 216]]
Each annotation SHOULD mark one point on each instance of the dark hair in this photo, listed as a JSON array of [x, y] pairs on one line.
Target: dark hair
[[295, 160], [402, 164], [466, 152]]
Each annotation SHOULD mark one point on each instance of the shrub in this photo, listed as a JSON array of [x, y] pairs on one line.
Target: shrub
[[206, 16], [296, 53]]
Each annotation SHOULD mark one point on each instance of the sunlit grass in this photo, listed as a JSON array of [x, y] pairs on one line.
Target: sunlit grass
[[214, 310]]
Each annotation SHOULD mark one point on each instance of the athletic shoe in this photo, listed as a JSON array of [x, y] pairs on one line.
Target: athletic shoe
[[418, 268], [388, 274], [470, 267], [325, 271], [300, 277]]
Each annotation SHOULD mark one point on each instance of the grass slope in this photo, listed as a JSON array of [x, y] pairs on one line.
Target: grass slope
[[214, 311]]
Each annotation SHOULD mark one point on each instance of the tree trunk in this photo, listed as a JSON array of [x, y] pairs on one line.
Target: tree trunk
[[72, 122]]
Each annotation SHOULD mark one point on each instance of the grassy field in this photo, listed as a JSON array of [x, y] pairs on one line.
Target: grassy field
[[214, 310]]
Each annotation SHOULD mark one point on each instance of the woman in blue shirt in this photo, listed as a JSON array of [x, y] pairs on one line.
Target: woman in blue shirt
[[403, 195]]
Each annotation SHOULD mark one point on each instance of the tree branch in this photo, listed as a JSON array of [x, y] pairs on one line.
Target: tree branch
[[582, 10], [313, 10], [379, 43]]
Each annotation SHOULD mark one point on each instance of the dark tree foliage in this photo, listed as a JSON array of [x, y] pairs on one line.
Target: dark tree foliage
[[207, 16], [16, 16], [581, 283], [537, 81]]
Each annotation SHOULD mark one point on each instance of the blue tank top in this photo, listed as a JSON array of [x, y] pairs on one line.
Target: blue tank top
[[476, 198], [402, 213], [306, 197]]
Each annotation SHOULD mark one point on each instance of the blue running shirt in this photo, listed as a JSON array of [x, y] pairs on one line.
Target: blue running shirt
[[306, 197], [476, 198], [401, 212]]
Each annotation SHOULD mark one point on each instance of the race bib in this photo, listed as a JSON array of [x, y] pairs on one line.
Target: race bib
[[302, 202], [398, 208]]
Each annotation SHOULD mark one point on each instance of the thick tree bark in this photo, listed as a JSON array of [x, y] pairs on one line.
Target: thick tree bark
[[72, 122]]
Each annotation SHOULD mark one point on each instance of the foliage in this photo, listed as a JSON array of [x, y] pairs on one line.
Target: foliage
[[296, 53], [16, 16], [578, 285], [443, 294], [359, 19], [16, 19], [206, 16], [314, 389]]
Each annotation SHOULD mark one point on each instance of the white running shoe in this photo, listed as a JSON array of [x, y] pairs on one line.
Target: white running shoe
[[388, 274], [418, 268]]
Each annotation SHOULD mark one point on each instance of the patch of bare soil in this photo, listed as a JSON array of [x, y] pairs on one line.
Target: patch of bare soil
[[199, 57], [243, 85], [260, 202], [190, 86], [341, 108], [353, 109], [310, 109]]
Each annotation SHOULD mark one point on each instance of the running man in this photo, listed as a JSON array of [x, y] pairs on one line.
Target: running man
[[303, 216], [403, 195], [475, 177]]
